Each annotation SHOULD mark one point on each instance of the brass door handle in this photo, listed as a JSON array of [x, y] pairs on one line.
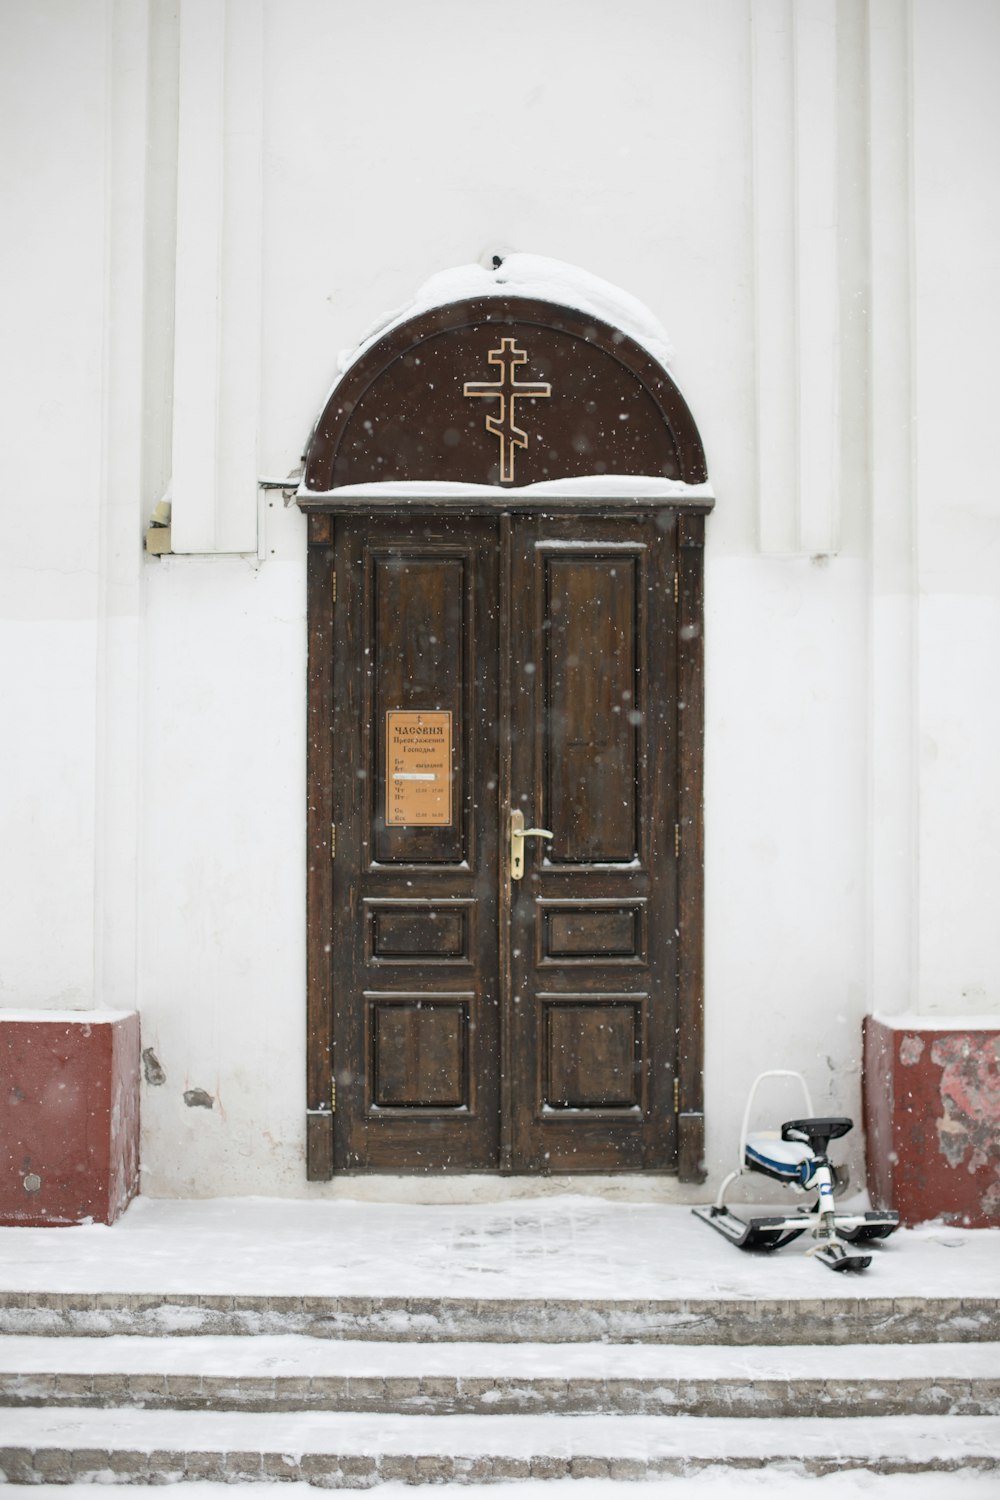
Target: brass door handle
[[518, 834]]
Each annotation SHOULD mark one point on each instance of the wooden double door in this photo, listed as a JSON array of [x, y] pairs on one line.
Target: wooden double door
[[485, 671]]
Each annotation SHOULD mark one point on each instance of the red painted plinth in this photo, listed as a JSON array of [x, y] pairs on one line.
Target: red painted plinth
[[932, 1118], [69, 1116]]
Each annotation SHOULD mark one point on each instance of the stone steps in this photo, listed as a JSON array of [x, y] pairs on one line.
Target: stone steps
[[292, 1373], [351, 1391], [358, 1450], [736, 1320]]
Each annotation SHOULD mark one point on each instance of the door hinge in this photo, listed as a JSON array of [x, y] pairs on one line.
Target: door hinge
[[333, 588], [333, 841], [333, 1096], [677, 1095], [677, 841], [677, 586]]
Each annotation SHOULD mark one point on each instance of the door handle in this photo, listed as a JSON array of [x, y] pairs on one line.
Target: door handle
[[518, 834]]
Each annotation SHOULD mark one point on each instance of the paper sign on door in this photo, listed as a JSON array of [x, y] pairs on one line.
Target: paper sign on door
[[417, 769]]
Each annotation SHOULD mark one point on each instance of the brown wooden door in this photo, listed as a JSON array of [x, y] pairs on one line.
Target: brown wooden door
[[593, 1012], [484, 665], [416, 1022]]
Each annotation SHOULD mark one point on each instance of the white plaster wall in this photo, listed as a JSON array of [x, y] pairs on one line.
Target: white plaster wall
[[956, 146], [53, 83], [223, 839], [155, 793], [785, 799]]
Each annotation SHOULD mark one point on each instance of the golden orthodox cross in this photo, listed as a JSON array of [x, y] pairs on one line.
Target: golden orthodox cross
[[507, 390]]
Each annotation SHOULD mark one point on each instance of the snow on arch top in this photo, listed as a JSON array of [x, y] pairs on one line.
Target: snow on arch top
[[499, 388], [534, 276]]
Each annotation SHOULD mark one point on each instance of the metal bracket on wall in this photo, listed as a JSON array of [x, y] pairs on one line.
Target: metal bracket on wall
[[288, 486]]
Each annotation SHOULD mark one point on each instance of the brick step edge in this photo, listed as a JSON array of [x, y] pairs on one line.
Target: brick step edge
[[49, 1466], [847, 1320], [145, 1447], [742, 1396]]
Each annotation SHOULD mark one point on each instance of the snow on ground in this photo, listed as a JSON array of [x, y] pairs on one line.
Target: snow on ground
[[562, 1248], [770, 1483], [916, 1441], [570, 1247], [236, 1356]]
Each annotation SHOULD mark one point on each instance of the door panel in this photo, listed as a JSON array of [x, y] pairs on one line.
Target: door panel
[[593, 1050], [593, 959], [418, 1047], [588, 634], [422, 625], [580, 932]]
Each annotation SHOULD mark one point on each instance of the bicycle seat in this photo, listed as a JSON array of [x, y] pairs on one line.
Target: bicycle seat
[[817, 1133]]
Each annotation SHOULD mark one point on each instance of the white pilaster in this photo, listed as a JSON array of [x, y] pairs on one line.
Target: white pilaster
[[774, 275], [120, 514], [817, 310], [217, 302], [893, 810], [794, 59], [955, 144]]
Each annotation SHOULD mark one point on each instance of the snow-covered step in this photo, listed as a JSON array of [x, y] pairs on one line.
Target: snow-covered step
[[359, 1450], [725, 1319], [296, 1373]]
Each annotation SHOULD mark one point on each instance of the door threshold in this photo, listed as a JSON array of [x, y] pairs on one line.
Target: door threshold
[[482, 1187]]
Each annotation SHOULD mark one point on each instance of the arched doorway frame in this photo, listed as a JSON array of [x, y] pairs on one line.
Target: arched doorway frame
[[365, 459]]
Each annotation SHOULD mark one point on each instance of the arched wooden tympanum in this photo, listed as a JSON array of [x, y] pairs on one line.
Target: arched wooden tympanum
[[401, 412], [506, 507]]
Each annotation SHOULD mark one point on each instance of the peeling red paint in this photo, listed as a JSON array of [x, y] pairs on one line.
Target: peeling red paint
[[970, 1096], [911, 1050], [932, 1118], [69, 1118]]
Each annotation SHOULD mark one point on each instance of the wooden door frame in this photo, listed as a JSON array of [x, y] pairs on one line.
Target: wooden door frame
[[689, 590]]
